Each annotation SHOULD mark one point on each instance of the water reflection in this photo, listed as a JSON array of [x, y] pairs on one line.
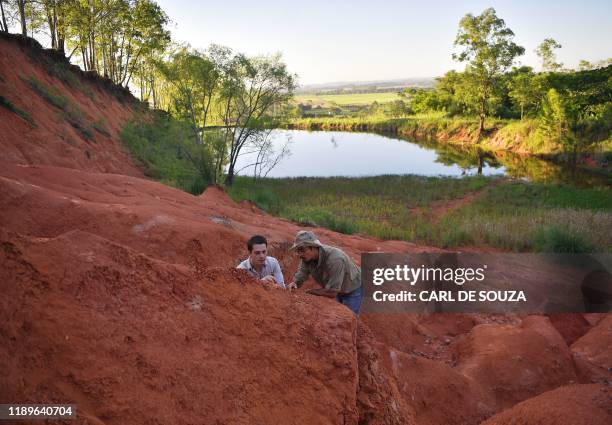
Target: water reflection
[[327, 154]]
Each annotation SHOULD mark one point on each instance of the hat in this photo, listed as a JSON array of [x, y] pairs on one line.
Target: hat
[[305, 238]]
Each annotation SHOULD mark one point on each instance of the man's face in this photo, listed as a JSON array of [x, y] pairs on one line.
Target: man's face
[[307, 253], [258, 254]]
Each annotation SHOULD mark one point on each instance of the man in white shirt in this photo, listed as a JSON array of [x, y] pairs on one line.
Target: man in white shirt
[[261, 266]]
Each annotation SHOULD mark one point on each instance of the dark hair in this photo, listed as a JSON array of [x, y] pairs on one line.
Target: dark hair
[[257, 239]]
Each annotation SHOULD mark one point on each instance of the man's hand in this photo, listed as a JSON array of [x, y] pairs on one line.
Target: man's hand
[[269, 282], [291, 286], [269, 279]]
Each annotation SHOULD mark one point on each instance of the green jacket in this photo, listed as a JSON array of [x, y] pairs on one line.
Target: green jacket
[[334, 270]]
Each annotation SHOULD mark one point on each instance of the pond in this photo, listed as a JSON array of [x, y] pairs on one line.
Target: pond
[[352, 154]]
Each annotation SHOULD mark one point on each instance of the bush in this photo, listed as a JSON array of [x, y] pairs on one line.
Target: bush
[[322, 218], [166, 149], [555, 239]]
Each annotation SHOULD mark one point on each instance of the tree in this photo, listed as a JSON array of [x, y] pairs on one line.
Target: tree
[[3, 23], [546, 52], [557, 122], [585, 65], [489, 51], [525, 88], [195, 79], [253, 87]]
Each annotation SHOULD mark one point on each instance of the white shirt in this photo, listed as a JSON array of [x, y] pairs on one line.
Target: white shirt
[[270, 268]]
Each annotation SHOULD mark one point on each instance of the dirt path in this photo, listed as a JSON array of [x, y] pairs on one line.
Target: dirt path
[[441, 208]]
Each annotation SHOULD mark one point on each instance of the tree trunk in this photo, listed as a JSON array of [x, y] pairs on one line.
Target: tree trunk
[[521, 112], [51, 23], [22, 17], [4, 25], [229, 179], [60, 25]]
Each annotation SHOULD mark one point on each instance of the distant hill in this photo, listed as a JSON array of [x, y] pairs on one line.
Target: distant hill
[[365, 86]]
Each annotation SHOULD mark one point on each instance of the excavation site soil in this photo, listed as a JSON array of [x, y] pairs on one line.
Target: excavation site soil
[[120, 296]]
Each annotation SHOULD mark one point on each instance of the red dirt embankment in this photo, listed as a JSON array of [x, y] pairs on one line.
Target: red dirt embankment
[[120, 296], [49, 138]]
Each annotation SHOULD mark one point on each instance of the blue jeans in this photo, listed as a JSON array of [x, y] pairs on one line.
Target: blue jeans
[[352, 300]]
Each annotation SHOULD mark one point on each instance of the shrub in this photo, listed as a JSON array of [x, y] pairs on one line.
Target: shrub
[[166, 149], [555, 239]]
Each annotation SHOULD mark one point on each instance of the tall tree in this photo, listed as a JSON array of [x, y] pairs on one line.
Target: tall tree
[[261, 83], [546, 52], [3, 25], [489, 51], [21, 7]]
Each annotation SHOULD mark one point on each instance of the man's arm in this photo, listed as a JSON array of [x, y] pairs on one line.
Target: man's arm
[[300, 276], [334, 284], [322, 292], [278, 274]]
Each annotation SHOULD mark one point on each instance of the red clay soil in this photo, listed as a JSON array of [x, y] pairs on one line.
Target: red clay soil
[[120, 296], [571, 405], [593, 353], [51, 139]]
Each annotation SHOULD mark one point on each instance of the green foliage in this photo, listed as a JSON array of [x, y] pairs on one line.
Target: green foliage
[[524, 89], [509, 216], [321, 218], [516, 216], [489, 51], [166, 148], [100, 127], [555, 239], [546, 52], [556, 121], [20, 112], [69, 112]]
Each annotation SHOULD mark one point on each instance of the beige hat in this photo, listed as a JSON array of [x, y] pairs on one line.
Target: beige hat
[[305, 238]]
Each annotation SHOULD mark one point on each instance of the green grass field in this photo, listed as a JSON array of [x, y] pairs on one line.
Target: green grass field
[[517, 216], [347, 99]]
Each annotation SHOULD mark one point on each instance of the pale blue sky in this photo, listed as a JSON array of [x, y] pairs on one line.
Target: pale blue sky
[[340, 40]]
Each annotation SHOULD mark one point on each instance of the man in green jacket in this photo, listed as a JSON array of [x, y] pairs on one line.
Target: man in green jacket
[[331, 268]]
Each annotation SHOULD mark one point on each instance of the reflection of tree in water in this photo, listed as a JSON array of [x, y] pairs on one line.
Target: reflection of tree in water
[[518, 166], [539, 170], [467, 157]]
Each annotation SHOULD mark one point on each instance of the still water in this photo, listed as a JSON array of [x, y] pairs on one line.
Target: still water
[[331, 153], [351, 154]]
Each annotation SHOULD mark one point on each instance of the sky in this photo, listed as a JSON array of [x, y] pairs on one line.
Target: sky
[[357, 40]]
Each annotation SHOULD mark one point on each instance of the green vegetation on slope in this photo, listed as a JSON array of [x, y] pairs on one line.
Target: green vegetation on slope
[[515, 216], [70, 112], [164, 147], [20, 112]]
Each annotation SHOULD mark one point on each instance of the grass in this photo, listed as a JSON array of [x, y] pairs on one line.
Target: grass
[[515, 216], [20, 112], [100, 127], [69, 112], [382, 206], [347, 99]]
